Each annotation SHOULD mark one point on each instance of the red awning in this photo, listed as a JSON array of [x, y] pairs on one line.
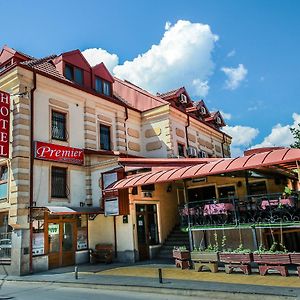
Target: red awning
[[285, 159]]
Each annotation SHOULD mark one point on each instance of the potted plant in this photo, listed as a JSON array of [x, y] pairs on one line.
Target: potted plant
[[239, 255], [181, 253], [276, 255]]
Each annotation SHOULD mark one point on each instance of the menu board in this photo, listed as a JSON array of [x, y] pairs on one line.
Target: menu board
[[38, 241], [111, 207]]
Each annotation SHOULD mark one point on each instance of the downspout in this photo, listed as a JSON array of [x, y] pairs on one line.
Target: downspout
[[126, 118], [31, 167], [186, 131]]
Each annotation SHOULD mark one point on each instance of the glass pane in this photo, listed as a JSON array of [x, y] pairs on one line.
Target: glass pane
[[69, 72], [141, 229], [67, 243], [58, 182], [98, 85], [104, 137], [3, 190], [4, 171], [153, 231], [53, 235], [226, 191], [58, 126], [79, 76], [106, 88]]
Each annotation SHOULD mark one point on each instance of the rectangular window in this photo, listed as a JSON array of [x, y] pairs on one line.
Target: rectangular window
[[59, 182], [3, 181], [106, 88], [180, 149], [105, 137], [74, 74], [98, 85], [59, 131], [82, 240], [5, 237]]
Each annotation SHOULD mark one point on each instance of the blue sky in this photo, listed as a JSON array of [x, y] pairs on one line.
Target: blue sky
[[244, 63]]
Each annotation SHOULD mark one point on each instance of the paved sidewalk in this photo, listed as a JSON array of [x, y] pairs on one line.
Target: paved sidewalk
[[144, 277]]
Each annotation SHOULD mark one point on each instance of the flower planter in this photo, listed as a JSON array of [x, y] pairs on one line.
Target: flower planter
[[236, 258], [272, 258], [295, 258], [204, 256], [181, 254]]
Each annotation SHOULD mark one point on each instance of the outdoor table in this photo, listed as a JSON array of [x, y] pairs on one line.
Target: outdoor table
[[217, 208], [276, 202]]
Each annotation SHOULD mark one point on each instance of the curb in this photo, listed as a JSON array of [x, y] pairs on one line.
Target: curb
[[165, 290]]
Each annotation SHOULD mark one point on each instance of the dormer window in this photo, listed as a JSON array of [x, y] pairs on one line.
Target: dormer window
[[183, 98], [102, 86], [203, 110], [74, 74], [218, 120]]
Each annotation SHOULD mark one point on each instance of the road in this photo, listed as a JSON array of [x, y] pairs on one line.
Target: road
[[50, 291]]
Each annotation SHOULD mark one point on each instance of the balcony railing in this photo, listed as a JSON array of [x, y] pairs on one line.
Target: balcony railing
[[254, 210]]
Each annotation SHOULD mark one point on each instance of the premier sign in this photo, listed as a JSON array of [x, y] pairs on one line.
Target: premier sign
[[4, 124], [46, 151]]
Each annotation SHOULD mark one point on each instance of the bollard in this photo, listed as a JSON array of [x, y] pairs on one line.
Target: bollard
[[160, 276], [76, 272]]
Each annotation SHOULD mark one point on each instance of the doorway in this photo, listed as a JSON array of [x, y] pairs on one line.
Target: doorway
[[147, 228], [61, 243]]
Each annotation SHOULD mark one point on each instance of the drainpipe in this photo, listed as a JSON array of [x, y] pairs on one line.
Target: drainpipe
[[126, 118], [186, 131], [31, 167]]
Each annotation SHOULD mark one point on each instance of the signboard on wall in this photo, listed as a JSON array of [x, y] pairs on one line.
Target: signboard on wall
[[52, 152], [4, 124], [111, 207]]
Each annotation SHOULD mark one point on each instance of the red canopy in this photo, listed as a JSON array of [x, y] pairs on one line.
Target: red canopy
[[285, 159]]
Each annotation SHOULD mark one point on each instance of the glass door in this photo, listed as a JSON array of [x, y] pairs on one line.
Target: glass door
[[68, 251], [54, 245]]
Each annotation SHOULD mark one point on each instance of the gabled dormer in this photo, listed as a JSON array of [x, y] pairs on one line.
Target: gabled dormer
[[215, 119], [198, 110], [178, 98], [74, 67], [9, 56], [102, 80]]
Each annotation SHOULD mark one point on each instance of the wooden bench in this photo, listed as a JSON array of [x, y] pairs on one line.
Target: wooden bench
[[102, 253]]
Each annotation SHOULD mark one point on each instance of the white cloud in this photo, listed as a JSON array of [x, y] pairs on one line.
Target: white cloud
[[280, 134], [97, 55], [182, 57], [231, 53], [242, 137], [234, 76], [226, 116], [201, 87]]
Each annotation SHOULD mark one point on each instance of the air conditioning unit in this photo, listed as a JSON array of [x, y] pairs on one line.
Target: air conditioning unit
[[192, 152], [202, 154], [183, 98]]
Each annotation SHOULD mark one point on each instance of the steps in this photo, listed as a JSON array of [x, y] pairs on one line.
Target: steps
[[175, 238]]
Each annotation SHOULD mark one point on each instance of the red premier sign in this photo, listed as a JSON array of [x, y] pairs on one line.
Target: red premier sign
[[58, 153], [4, 123]]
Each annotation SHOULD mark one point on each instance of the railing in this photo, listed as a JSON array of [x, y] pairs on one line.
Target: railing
[[5, 246], [251, 210]]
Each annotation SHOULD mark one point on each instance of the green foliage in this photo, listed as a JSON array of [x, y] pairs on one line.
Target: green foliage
[[240, 249], [216, 245], [180, 248], [223, 243], [296, 134], [276, 248]]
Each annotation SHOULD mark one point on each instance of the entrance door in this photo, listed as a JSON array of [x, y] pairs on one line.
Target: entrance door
[[61, 244], [147, 228]]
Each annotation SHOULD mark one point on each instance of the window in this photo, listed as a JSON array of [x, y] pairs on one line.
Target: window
[[102, 86], [38, 241], [105, 137], [3, 181], [59, 131], [59, 182], [73, 73], [180, 148], [5, 237], [226, 191], [82, 242]]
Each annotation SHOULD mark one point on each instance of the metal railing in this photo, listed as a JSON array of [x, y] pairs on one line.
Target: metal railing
[[251, 209]]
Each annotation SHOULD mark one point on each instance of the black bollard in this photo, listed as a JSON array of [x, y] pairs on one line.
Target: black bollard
[[160, 276], [76, 272]]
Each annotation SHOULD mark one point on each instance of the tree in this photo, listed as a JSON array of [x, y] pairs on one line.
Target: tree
[[296, 134]]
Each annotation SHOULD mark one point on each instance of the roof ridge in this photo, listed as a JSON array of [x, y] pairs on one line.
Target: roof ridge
[[38, 61]]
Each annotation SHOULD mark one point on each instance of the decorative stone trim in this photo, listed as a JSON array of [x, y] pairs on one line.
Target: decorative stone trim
[[180, 132], [133, 133], [104, 119], [134, 146], [89, 119], [89, 110], [152, 132], [58, 103], [218, 148], [121, 143], [120, 127], [192, 138], [154, 146]]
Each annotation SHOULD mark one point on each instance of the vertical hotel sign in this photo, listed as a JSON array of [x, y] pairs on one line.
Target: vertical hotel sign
[[4, 124]]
